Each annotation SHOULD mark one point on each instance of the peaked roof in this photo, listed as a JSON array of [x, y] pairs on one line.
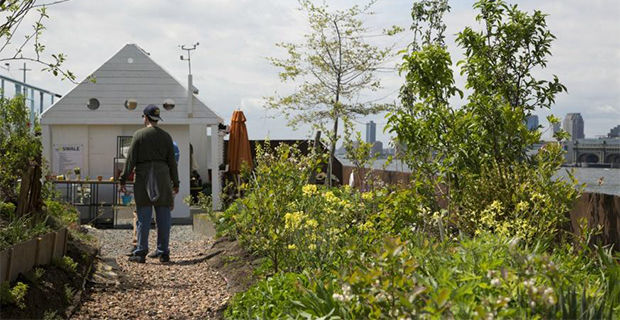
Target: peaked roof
[[130, 74]]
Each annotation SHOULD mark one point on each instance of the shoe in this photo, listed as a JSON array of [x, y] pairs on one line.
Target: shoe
[[163, 258], [129, 254], [137, 259], [154, 255]]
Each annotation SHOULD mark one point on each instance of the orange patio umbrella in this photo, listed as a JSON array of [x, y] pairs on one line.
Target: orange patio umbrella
[[238, 144]]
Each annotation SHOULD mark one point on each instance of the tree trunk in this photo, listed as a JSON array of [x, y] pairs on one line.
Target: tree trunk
[[332, 151], [30, 190]]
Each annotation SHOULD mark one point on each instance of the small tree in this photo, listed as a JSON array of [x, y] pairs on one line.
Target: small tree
[[335, 64], [15, 11], [475, 158]]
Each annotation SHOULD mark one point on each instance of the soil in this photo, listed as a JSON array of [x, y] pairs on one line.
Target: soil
[[46, 296], [233, 263]]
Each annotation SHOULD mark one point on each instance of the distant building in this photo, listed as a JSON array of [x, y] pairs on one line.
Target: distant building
[[371, 132], [532, 122], [556, 127], [573, 124], [377, 148], [614, 132]]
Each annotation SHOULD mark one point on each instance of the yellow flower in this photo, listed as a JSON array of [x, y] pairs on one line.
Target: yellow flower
[[292, 247], [293, 220], [312, 246], [367, 195], [330, 197], [309, 189], [312, 223]]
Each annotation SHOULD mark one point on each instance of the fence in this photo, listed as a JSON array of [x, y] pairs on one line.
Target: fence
[[22, 257]]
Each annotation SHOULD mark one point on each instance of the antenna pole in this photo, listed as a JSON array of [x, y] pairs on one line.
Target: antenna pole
[[189, 49]]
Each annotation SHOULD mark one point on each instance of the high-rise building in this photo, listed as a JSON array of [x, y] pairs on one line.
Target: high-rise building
[[573, 124], [532, 122], [371, 132], [557, 127], [614, 132]]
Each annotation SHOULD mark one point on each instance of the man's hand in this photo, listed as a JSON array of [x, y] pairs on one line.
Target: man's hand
[[122, 189], [175, 190]]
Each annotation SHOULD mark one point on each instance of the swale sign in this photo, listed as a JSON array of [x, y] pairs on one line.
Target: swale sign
[[67, 157]]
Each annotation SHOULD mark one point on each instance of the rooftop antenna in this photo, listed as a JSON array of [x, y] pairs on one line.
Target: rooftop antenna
[[189, 49]]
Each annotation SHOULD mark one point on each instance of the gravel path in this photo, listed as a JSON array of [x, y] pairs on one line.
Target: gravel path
[[185, 288]]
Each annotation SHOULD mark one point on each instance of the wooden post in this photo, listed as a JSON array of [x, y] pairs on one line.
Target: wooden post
[[317, 140], [54, 245], [64, 251], [37, 252], [9, 265]]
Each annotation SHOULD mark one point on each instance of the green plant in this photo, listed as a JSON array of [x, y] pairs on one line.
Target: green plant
[[22, 229], [65, 263], [19, 145], [68, 293], [276, 181], [64, 213], [15, 295], [474, 158], [34, 275], [270, 298], [51, 315]]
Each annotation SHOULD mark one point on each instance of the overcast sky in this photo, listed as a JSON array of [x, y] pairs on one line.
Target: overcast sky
[[236, 36]]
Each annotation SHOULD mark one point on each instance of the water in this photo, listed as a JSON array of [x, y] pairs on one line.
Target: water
[[589, 176]]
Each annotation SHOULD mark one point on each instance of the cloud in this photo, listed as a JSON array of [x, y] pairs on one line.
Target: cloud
[[235, 37]]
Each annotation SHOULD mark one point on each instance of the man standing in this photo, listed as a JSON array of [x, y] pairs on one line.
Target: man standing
[[152, 147]]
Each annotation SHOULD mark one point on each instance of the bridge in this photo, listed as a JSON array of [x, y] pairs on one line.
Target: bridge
[[604, 151]]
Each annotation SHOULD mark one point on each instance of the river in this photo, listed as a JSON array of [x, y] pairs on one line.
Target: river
[[590, 176]]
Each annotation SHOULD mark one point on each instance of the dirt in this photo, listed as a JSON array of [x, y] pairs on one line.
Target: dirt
[[236, 265], [57, 291]]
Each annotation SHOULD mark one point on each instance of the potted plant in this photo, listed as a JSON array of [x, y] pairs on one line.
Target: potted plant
[[77, 172], [126, 198]]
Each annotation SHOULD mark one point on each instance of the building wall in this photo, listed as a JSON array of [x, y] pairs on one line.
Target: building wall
[[99, 150]]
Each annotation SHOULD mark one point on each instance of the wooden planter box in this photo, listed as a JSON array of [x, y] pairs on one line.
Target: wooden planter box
[[22, 257]]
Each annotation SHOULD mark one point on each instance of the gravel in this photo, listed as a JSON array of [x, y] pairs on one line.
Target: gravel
[[185, 288]]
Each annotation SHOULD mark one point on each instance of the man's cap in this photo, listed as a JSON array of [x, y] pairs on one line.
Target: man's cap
[[152, 111]]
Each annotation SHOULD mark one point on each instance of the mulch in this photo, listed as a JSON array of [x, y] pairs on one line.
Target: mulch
[[186, 288]]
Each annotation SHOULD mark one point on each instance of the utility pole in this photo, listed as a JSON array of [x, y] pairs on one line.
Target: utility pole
[[190, 86], [32, 117]]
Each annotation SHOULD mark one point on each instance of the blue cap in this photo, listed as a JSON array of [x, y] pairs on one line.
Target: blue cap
[[152, 111]]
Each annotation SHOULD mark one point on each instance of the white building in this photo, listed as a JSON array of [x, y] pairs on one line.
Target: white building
[[88, 120]]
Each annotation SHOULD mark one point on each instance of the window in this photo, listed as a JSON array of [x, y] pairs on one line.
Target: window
[[131, 104], [169, 104], [93, 104]]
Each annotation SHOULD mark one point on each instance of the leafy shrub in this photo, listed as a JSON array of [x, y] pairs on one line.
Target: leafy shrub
[[22, 229], [482, 277], [34, 275], [65, 263], [270, 298], [64, 213], [18, 145], [15, 295]]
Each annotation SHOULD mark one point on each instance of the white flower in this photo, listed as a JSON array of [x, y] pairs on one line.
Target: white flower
[[495, 282]]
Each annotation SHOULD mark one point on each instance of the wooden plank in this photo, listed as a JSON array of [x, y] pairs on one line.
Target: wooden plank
[[23, 258], [46, 249], [4, 264], [37, 250]]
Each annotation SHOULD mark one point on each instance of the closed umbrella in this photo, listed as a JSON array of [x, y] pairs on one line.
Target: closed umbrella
[[238, 144]]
